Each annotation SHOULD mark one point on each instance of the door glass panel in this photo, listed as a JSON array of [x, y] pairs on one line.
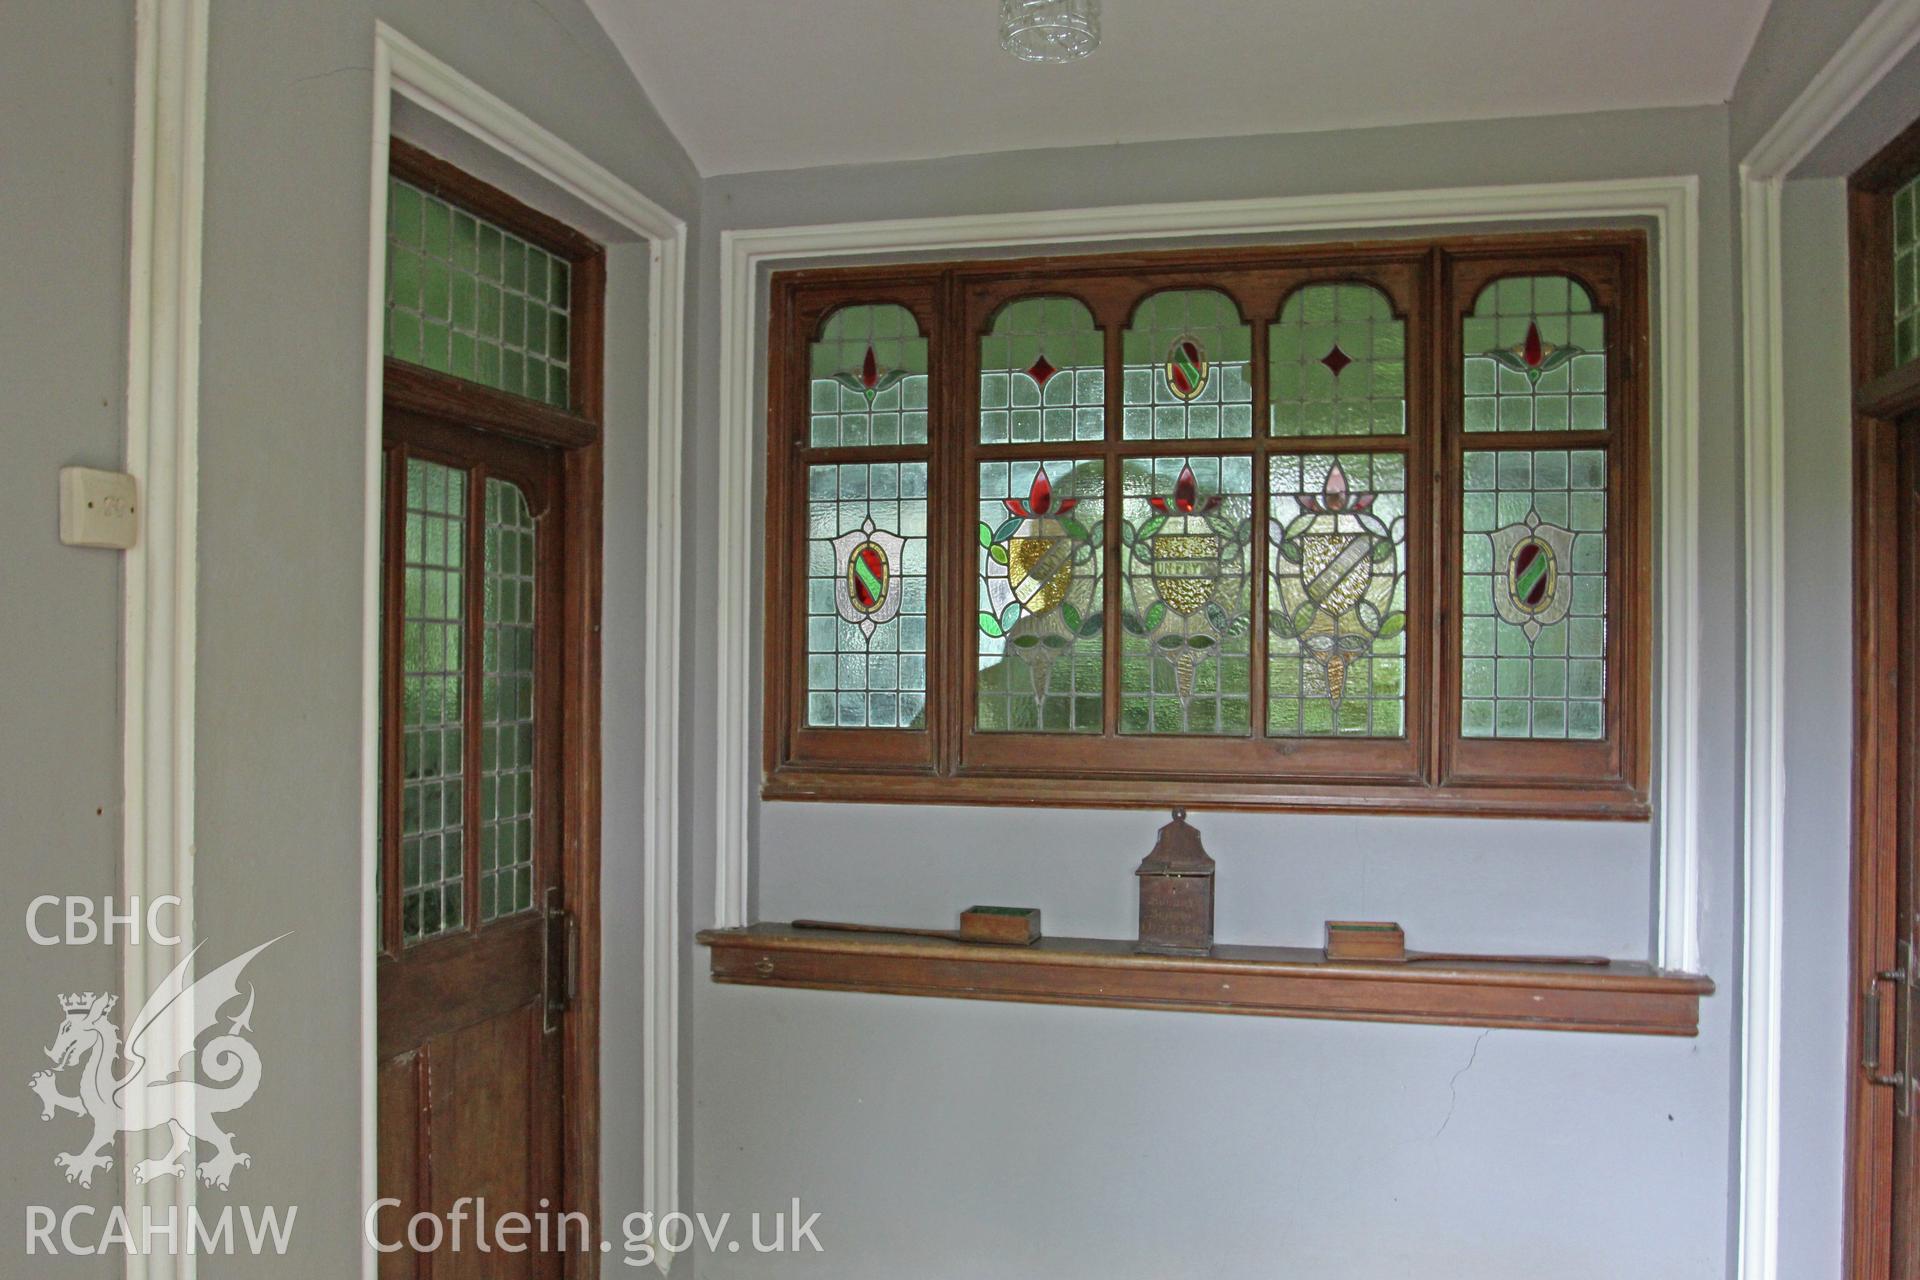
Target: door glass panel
[[472, 299], [1906, 272], [432, 665], [506, 705]]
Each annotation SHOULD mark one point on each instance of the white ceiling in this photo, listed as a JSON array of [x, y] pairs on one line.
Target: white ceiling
[[786, 84]]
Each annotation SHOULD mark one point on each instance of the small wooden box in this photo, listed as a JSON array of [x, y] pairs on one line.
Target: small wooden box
[[1176, 893], [1378, 940], [1012, 926]]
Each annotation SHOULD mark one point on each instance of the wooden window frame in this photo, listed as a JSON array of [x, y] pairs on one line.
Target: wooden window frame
[[1883, 396], [421, 404], [1431, 284]]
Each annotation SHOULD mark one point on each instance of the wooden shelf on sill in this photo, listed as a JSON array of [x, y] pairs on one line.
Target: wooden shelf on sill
[[1287, 982]]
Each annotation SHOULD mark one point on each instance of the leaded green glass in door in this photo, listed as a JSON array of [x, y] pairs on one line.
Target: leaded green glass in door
[[1906, 273], [471, 299], [1536, 357], [507, 799], [432, 671], [1533, 627]]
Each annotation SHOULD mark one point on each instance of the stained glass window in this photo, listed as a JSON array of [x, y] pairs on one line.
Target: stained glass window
[[867, 595], [432, 671], [1337, 364], [1533, 627], [1188, 369], [1337, 594], [1186, 542], [1536, 357], [1906, 272], [506, 704], [1043, 374], [869, 371], [469, 298], [1042, 591]]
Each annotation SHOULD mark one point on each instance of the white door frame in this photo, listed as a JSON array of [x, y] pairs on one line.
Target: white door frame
[[1672, 204], [1875, 48], [402, 67]]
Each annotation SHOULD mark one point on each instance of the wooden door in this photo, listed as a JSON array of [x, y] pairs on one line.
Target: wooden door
[[476, 957], [1902, 984]]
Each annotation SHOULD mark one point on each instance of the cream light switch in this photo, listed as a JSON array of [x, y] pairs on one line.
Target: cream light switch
[[98, 508]]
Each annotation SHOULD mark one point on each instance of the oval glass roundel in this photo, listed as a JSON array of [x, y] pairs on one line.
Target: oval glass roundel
[[1531, 575], [868, 571]]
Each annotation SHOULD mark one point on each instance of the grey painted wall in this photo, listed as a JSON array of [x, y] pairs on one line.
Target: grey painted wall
[[1181, 1145], [1795, 41], [1819, 713], [67, 119], [289, 132]]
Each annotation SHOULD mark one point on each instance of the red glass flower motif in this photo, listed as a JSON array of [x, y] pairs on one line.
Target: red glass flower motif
[[870, 371], [1186, 498], [1040, 500]]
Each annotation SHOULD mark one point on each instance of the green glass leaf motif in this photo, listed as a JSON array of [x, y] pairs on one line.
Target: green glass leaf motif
[[990, 625]]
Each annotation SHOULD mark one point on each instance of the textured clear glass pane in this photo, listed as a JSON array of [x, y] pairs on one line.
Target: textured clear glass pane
[[471, 299], [1187, 369], [1042, 374], [1337, 595], [1185, 562], [1337, 364], [1040, 621], [1906, 272], [1536, 357], [868, 379], [508, 589], [867, 595], [433, 669], [1533, 627]]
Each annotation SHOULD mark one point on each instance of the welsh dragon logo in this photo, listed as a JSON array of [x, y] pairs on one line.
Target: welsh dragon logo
[[142, 1087]]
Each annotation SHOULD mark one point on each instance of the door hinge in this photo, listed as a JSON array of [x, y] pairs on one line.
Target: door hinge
[[1901, 1080], [561, 967]]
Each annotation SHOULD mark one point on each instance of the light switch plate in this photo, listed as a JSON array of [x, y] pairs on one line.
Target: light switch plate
[[98, 508]]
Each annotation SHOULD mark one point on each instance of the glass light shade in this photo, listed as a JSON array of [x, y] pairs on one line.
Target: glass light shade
[[1049, 30]]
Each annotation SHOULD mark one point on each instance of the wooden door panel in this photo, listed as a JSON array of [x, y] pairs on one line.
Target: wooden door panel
[[400, 1167]]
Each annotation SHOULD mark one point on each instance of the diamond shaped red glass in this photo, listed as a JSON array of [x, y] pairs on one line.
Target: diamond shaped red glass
[[1040, 370], [1336, 360]]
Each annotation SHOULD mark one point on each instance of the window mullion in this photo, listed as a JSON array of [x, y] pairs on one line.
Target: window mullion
[[1262, 439], [472, 661], [1110, 583]]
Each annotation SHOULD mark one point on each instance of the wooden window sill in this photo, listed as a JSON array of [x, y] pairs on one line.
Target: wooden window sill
[[1289, 982]]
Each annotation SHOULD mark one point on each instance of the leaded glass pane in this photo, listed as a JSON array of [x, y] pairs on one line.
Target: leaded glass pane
[[1185, 560], [1337, 595], [432, 665], [507, 705], [1188, 369], [1906, 272], [867, 595], [469, 298], [868, 379], [1043, 374], [1533, 630], [1337, 364], [1536, 357], [1041, 614]]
